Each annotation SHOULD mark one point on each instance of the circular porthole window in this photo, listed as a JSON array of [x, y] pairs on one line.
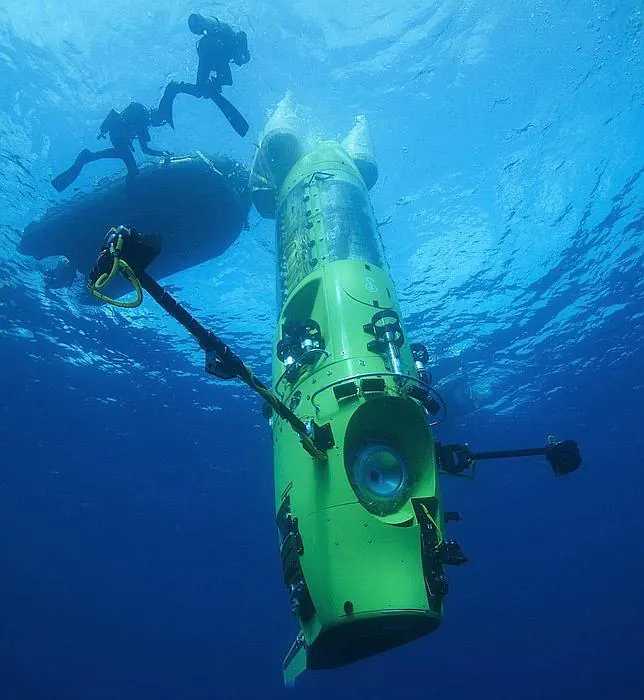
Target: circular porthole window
[[380, 479]]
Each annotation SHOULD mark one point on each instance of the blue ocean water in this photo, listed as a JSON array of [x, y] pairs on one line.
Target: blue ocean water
[[138, 553]]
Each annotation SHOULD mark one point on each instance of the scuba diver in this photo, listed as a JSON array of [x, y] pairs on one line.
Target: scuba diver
[[218, 46], [123, 127]]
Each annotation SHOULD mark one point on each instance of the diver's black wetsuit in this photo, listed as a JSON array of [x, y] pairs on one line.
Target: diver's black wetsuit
[[216, 49], [218, 46], [132, 123]]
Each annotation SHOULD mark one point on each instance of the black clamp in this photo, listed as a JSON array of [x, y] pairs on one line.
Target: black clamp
[[454, 459], [386, 329], [450, 553], [216, 366]]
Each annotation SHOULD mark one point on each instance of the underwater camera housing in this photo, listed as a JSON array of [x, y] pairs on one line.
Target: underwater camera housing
[[137, 249], [564, 456], [125, 244]]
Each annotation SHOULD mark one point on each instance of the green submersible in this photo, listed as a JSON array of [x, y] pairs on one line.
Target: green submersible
[[360, 520], [361, 532]]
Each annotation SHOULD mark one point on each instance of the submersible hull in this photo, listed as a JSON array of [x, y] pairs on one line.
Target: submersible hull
[[359, 532]]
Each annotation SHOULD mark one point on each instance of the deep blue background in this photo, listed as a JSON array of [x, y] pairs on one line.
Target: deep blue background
[[138, 554]]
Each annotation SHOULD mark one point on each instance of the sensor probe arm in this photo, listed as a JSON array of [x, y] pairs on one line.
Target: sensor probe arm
[[564, 456]]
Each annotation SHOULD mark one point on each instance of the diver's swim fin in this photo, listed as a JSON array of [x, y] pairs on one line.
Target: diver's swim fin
[[64, 180], [239, 124], [167, 101]]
